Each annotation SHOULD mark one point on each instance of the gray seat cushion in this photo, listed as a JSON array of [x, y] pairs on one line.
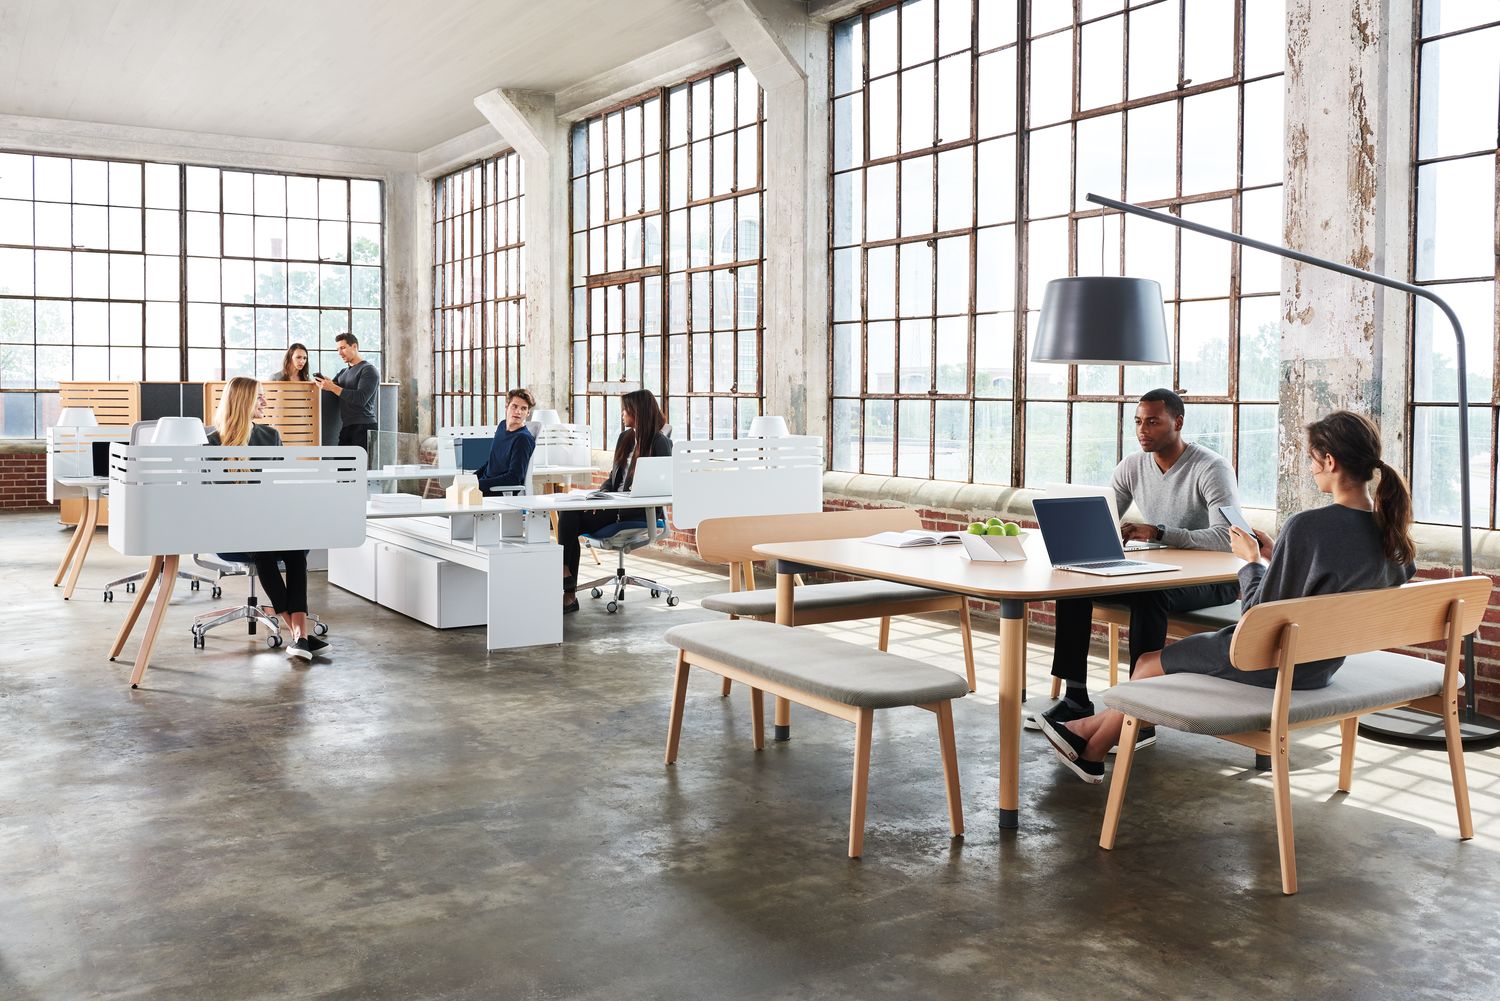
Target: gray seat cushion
[[819, 665], [837, 594], [1197, 703]]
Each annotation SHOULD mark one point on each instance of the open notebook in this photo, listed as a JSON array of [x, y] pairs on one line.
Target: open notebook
[[915, 537]]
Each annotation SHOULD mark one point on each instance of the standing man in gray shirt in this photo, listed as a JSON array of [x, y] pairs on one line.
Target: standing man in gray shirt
[[1179, 486], [355, 388]]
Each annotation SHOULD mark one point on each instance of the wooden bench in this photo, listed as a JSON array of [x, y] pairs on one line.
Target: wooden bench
[[825, 674], [1361, 626], [732, 541]]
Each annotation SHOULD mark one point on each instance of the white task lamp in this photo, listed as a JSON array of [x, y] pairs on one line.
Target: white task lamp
[[546, 417], [76, 417], [768, 427], [179, 431]]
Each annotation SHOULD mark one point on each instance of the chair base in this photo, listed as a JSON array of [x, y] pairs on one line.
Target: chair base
[[619, 581], [194, 582], [253, 614]]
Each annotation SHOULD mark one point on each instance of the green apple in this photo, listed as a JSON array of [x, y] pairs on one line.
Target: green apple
[[977, 528], [1011, 528], [994, 530], [993, 522]]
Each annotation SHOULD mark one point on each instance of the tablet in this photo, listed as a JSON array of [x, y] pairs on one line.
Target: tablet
[[1235, 517]]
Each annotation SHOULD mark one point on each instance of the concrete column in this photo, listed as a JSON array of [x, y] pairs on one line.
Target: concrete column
[[788, 54], [408, 326], [1342, 67], [528, 121]]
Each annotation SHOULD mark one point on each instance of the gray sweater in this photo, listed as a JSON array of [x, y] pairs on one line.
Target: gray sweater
[[1185, 498], [357, 401], [1323, 551]]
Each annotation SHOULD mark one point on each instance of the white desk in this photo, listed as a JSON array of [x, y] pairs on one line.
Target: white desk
[[424, 473], [83, 534]]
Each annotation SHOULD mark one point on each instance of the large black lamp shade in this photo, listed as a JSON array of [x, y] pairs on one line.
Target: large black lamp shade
[[1102, 321]]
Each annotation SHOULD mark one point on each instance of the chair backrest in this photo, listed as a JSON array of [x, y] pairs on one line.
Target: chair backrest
[[238, 498], [141, 432], [450, 450], [732, 540], [1338, 625], [740, 477]]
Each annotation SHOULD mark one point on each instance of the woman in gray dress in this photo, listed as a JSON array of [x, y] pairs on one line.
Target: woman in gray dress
[[1356, 543]]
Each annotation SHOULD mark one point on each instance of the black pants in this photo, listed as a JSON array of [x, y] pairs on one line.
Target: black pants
[[572, 524], [291, 596], [357, 435], [1149, 611]]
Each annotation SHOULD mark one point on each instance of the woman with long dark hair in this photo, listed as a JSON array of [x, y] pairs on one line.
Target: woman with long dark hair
[[1356, 543], [294, 365], [642, 437]]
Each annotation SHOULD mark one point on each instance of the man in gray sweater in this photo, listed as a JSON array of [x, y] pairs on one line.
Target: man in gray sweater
[[1178, 486], [354, 388]]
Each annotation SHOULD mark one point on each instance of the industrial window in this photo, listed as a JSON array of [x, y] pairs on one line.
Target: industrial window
[[667, 256], [965, 136], [478, 289], [128, 270], [1453, 252]]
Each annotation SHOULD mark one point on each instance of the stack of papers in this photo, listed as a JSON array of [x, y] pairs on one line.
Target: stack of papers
[[396, 502]]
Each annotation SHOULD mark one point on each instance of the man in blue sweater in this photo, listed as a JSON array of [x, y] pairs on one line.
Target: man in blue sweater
[[511, 451]]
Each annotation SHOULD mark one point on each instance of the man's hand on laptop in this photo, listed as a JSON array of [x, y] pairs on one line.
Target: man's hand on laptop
[[1131, 532]]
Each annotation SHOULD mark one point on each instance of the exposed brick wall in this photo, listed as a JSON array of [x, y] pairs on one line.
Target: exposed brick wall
[[23, 480]]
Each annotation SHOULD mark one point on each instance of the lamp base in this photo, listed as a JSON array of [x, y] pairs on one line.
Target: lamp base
[[1417, 727]]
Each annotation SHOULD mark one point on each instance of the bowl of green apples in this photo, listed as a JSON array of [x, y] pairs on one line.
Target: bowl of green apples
[[996, 540]]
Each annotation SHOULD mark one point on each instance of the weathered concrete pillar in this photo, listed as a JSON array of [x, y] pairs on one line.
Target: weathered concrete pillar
[[1345, 122], [528, 121], [788, 54]]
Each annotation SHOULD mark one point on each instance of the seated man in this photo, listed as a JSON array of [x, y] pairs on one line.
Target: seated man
[[511, 451], [1179, 486]]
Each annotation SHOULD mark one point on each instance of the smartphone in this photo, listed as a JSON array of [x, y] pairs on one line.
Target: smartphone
[[318, 375], [1235, 517]]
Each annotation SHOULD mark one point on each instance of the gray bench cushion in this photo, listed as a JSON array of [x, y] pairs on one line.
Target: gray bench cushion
[[833, 595], [819, 665], [1197, 703]]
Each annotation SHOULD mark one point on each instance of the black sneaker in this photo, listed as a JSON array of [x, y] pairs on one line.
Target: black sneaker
[[316, 645], [1061, 711], [1069, 747], [1145, 737], [302, 649]]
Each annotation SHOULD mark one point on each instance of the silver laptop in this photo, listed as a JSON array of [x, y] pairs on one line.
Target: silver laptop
[[1080, 536], [1079, 490], [653, 478]]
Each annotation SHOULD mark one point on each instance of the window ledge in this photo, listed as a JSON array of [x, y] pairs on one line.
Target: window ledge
[[23, 446]]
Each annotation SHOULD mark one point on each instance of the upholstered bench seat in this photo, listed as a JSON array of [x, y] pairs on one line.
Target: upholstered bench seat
[[1195, 703], [810, 597]]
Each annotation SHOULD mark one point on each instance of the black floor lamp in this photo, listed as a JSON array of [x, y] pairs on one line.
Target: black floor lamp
[[1117, 302]]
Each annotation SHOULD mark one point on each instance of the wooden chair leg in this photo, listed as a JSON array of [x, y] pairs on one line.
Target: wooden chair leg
[[158, 612], [885, 633], [949, 750], [1281, 780], [1056, 688], [1118, 780], [142, 596], [679, 699], [1114, 655], [757, 719], [967, 635], [89, 523], [724, 688], [1455, 742], [1348, 728], [859, 794]]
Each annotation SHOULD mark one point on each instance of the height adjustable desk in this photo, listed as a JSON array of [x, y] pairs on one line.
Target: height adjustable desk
[[70, 473]]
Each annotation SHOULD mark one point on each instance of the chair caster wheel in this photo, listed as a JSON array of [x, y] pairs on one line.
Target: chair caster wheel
[[321, 629], [217, 592], [671, 601], [130, 587], [109, 596], [655, 593], [612, 607], [273, 641], [193, 585], [596, 593]]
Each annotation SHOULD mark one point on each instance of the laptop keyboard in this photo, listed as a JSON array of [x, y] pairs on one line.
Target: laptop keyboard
[[1107, 564]]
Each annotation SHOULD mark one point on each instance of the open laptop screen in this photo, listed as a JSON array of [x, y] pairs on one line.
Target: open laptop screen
[[1077, 529]]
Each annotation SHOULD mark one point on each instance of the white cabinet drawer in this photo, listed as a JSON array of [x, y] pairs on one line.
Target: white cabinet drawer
[[354, 569], [428, 589]]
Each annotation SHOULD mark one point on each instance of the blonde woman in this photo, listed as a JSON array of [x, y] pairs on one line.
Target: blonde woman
[[235, 425]]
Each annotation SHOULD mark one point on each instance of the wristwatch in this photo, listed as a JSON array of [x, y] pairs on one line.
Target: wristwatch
[[1161, 530]]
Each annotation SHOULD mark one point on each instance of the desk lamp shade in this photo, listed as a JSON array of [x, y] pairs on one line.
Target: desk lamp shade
[[76, 417], [545, 417], [1102, 321], [768, 427], [179, 431]]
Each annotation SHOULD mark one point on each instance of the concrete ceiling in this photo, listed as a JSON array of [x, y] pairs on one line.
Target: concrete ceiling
[[386, 74]]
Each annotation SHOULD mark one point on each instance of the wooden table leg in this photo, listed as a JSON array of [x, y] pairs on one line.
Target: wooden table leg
[[1012, 681], [785, 585], [163, 598], [86, 526], [141, 597], [62, 568]]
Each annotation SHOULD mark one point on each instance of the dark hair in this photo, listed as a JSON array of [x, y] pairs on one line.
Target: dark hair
[[1354, 441], [648, 419], [353, 341], [300, 375], [1174, 403], [525, 397]]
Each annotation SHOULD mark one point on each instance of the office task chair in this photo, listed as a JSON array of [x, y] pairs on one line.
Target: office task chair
[[141, 433], [626, 537], [240, 565]]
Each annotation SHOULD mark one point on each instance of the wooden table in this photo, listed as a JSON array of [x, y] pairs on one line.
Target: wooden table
[[83, 535], [1011, 584]]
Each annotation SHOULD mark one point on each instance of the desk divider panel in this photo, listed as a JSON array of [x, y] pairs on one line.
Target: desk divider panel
[[740, 477], [70, 452], [222, 499], [291, 408], [114, 403]]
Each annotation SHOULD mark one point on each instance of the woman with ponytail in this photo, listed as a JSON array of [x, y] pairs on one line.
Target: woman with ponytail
[[1357, 543]]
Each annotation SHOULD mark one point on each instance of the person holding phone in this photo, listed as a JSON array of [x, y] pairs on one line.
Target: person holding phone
[[355, 389], [1179, 485], [1358, 542]]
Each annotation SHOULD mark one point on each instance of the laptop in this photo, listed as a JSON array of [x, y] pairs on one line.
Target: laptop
[[1081, 536], [1076, 490], [653, 478]]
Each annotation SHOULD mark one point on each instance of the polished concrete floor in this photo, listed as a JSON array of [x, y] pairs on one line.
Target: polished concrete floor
[[415, 818]]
